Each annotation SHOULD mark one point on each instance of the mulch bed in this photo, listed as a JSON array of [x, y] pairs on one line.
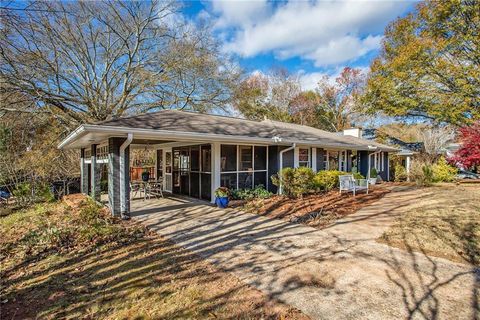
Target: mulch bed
[[315, 210]]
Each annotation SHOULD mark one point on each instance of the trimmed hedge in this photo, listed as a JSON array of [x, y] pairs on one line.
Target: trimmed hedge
[[295, 181], [259, 192], [300, 181]]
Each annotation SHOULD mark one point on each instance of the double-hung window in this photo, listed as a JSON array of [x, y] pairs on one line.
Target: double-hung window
[[342, 161], [304, 157]]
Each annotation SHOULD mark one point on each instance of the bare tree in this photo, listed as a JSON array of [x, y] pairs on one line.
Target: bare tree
[[96, 60], [435, 140], [338, 102], [267, 95]]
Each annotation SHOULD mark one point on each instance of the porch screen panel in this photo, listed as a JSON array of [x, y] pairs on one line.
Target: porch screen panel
[[250, 168], [260, 161], [159, 164], [246, 158], [245, 180], [195, 184], [192, 171], [260, 178], [229, 180], [205, 186], [229, 158]]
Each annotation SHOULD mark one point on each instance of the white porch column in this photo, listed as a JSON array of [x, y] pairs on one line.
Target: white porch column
[[83, 173], [314, 159], [296, 153], [215, 169], [95, 174], [407, 165]]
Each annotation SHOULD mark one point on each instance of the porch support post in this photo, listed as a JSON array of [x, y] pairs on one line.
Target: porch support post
[[114, 175], [296, 153], [407, 165], [215, 169], [95, 174], [314, 159], [348, 154], [83, 173]]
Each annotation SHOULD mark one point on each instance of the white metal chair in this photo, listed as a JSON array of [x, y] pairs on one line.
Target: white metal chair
[[350, 184], [134, 188], [155, 188]]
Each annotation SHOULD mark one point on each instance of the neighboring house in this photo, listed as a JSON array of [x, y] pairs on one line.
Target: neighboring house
[[197, 153], [407, 151]]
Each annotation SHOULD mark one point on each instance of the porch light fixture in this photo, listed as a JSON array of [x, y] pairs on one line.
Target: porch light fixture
[[276, 139]]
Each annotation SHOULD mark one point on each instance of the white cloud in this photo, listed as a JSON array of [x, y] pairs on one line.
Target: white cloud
[[309, 80], [343, 49], [328, 33], [239, 12]]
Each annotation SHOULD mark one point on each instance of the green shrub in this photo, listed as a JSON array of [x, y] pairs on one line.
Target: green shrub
[[400, 173], [44, 193], [295, 181], [303, 180], [373, 173], [259, 192], [222, 192], [357, 175], [422, 173], [326, 180], [443, 172], [26, 193]]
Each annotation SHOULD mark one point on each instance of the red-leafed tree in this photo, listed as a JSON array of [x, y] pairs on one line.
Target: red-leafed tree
[[468, 155]]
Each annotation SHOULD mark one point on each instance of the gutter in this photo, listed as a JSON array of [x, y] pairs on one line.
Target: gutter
[[71, 136], [281, 164], [123, 204], [189, 136]]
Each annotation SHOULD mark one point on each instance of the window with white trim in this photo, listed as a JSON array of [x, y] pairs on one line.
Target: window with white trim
[[379, 161], [304, 157], [325, 160], [342, 160], [333, 160], [102, 152]]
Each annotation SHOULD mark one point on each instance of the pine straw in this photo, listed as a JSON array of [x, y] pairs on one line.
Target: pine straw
[[315, 210], [117, 271]]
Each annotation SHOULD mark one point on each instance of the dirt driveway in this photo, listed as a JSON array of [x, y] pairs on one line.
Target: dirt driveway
[[336, 273]]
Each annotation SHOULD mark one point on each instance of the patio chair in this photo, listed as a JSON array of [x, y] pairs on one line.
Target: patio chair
[[155, 188], [134, 188], [350, 184]]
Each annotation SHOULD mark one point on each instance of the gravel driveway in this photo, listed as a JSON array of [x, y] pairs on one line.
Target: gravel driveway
[[335, 273]]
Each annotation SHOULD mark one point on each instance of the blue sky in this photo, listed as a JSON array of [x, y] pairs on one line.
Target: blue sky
[[309, 38]]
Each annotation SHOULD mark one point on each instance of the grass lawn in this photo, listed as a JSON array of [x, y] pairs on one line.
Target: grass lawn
[[74, 261], [445, 223]]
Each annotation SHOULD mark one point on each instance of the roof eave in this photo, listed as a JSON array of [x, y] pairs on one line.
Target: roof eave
[[119, 131], [72, 137]]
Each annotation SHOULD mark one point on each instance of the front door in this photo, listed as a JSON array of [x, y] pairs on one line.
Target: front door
[[191, 174]]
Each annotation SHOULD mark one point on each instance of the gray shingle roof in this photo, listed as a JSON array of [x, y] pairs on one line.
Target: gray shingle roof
[[183, 121]]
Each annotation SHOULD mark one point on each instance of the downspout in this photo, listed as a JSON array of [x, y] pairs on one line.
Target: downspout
[[123, 205], [281, 164]]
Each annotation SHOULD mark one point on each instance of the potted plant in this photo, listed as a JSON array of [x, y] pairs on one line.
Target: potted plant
[[221, 197], [145, 175], [373, 176]]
